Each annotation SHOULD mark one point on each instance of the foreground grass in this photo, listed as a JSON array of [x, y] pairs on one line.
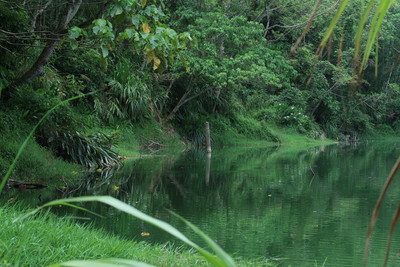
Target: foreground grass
[[45, 239]]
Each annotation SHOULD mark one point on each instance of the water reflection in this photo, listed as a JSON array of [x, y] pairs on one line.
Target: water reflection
[[307, 205]]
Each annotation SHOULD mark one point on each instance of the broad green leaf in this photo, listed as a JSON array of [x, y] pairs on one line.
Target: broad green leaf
[[130, 32], [100, 22], [104, 51], [73, 44], [160, 30], [171, 33], [135, 21], [74, 32], [96, 29], [153, 41], [116, 10]]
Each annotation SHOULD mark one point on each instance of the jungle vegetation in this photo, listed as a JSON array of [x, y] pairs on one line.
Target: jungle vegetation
[[151, 69], [248, 67]]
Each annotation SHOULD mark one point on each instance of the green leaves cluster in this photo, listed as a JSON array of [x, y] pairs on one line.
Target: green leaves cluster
[[140, 26], [126, 96], [232, 57], [87, 150]]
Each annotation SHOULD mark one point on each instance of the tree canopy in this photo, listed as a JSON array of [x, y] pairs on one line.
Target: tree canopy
[[246, 66]]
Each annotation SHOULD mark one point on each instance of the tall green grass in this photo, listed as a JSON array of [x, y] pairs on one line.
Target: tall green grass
[[45, 239], [221, 258]]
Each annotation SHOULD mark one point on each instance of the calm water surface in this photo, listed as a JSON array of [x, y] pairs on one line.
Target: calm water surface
[[301, 206]]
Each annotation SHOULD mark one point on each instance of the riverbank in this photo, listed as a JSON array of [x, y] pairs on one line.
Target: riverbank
[[42, 165], [46, 239]]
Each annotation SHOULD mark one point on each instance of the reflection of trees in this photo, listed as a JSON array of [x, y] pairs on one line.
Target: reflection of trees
[[285, 202]]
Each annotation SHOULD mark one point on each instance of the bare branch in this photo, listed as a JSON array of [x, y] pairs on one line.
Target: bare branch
[[301, 24], [37, 13], [307, 28]]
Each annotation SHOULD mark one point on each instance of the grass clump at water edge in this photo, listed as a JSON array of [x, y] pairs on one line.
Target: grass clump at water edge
[[45, 239]]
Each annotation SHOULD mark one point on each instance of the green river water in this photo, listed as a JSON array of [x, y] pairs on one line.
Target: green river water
[[297, 206]]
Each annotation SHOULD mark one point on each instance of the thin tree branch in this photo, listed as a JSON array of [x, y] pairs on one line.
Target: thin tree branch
[[307, 28]]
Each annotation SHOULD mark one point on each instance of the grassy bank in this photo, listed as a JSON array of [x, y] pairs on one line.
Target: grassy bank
[[36, 164], [147, 135], [46, 239]]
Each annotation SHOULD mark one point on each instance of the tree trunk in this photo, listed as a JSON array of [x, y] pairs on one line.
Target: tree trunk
[[176, 108], [37, 68], [184, 99], [37, 13], [208, 137]]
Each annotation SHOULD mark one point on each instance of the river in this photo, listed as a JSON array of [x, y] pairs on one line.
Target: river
[[299, 206]]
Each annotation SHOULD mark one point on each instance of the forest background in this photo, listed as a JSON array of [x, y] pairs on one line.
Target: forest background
[[155, 71]]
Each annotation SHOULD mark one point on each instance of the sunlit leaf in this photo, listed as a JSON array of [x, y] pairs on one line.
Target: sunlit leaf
[[146, 28], [74, 32], [157, 63], [150, 56]]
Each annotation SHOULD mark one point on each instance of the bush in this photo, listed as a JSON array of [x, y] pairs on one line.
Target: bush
[[127, 95], [88, 150], [252, 128]]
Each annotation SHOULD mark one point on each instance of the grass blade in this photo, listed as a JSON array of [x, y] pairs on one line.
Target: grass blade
[[214, 246], [331, 27], [392, 226], [117, 204], [377, 20], [375, 214], [103, 263], [360, 29], [22, 147]]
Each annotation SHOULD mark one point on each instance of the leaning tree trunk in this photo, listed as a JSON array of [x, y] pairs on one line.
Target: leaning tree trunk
[[37, 68]]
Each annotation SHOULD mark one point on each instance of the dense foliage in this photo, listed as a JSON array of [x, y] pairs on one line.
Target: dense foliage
[[238, 64]]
